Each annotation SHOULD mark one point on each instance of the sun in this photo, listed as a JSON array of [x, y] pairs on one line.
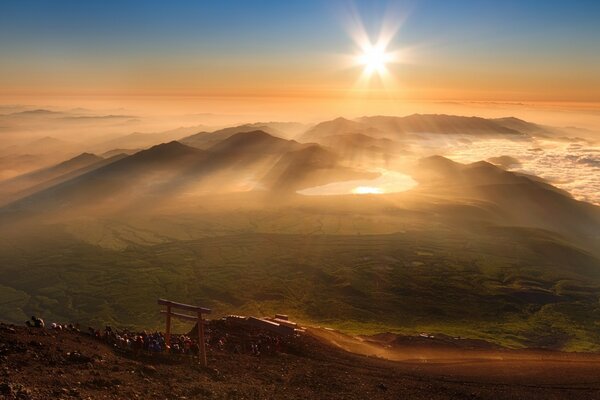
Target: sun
[[374, 59], [376, 51]]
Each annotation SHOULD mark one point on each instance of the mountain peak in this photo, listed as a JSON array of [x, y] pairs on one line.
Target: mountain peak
[[253, 141], [172, 145], [80, 160], [165, 150], [337, 126], [86, 156]]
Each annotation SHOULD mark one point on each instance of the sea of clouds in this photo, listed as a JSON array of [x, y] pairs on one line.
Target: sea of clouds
[[570, 165]]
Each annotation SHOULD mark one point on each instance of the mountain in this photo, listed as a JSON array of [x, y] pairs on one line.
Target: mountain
[[338, 126], [140, 140], [473, 251], [445, 173], [254, 142], [285, 130], [398, 127], [521, 200], [440, 124], [309, 167], [363, 150], [505, 162], [30, 187], [115, 152], [36, 177], [526, 127], [204, 140], [283, 165], [167, 171], [121, 181], [357, 142]]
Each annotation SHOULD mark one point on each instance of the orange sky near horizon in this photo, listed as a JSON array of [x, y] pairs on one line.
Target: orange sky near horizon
[[301, 53]]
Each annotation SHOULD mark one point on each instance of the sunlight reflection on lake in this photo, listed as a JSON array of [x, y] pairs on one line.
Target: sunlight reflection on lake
[[387, 182]]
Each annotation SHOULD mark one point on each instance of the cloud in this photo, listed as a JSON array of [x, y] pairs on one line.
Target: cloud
[[574, 167]]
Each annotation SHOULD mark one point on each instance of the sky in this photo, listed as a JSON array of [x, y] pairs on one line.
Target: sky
[[467, 50]]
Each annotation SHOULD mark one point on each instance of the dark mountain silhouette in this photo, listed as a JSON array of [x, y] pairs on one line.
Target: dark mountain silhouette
[[74, 163], [255, 142], [166, 171], [160, 158], [204, 140], [71, 174], [36, 177], [130, 177]]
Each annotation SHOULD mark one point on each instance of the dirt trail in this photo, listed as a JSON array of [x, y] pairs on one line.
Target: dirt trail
[[529, 367]]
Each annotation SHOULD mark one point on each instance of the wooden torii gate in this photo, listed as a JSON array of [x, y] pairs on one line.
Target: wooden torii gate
[[195, 318]]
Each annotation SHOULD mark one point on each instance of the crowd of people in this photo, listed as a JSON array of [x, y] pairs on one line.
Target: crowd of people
[[149, 342], [219, 337]]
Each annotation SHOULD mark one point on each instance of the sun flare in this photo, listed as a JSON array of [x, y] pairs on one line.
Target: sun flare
[[367, 190], [374, 59]]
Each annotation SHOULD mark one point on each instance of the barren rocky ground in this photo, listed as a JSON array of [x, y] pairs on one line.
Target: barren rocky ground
[[48, 364]]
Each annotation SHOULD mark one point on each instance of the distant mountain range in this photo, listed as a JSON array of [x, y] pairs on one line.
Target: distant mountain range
[[170, 169], [204, 140], [284, 130], [244, 158], [397, 127]]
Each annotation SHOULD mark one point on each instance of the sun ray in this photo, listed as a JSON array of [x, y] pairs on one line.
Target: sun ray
[[375, 57]]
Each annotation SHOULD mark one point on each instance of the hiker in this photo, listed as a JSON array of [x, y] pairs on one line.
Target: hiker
[[35, 322]]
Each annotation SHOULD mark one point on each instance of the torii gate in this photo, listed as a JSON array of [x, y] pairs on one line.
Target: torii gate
[[196, 318]]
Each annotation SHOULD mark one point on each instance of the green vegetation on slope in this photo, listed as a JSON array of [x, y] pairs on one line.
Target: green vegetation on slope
[[514, 286]]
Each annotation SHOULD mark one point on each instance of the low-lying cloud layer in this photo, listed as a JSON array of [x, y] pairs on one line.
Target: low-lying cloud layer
[[574, 167]]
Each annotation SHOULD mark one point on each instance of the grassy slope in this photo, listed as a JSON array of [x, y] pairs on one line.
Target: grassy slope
[[514, 286]]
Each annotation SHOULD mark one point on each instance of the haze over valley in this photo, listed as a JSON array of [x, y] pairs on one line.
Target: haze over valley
[[420, 210], [344, 199]]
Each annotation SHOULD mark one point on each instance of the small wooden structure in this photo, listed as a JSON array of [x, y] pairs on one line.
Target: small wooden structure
[[264, 324], [194, 318]]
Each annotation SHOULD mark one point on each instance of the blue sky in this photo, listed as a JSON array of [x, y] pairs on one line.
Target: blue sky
[[562, 37]]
